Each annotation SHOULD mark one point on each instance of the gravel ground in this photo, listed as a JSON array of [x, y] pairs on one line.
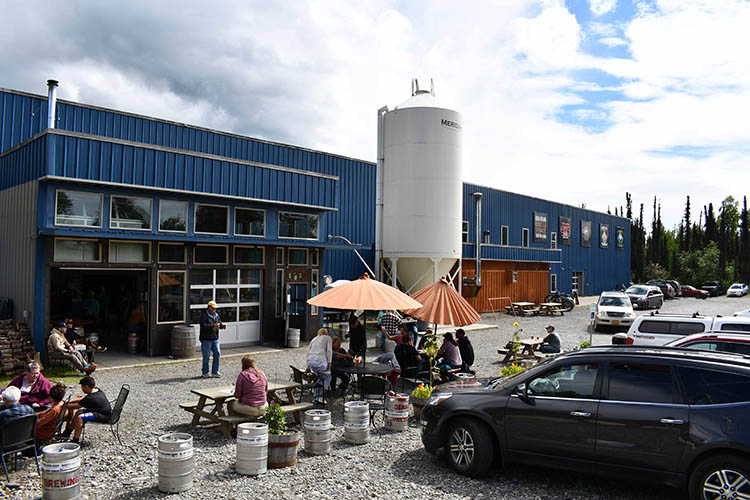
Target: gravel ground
[[393, 466]]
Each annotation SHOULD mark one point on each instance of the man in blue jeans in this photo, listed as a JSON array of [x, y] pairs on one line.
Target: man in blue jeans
[[209, 337]]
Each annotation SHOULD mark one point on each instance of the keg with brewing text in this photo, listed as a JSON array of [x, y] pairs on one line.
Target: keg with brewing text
[[317, 425], [61, 465], [357, 422], [252, 449], [292, 337], [176, 462], [397, 412]]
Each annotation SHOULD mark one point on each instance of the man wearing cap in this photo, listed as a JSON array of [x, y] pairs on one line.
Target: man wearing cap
[[209, 337], [551, 343], [58, 343]]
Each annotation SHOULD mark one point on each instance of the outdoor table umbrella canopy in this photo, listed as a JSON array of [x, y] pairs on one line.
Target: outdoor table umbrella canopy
[[443, 305], [365, 294]]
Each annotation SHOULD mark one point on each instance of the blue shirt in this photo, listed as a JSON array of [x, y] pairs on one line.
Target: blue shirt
[[14, 411]]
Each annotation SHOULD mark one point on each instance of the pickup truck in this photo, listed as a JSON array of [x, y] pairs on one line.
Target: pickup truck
[[714, 288]]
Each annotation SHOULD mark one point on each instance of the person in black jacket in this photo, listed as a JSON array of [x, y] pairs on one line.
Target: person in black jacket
[[209, 337], [466, 349], [357, 338]]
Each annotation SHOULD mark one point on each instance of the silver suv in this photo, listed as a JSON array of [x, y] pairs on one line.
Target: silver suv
[[645, 296]]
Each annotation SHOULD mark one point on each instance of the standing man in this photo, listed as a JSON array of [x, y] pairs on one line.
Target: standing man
[[389, 325], [209, 337], [357, 337]]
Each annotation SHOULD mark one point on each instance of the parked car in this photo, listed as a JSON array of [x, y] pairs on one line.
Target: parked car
[[737, 290], [742, 313], [645, 296], [661, 329], [723, 342], [675, 286], [687, 424], [714, 288], [613, 309], [691, 291], [665, 288]]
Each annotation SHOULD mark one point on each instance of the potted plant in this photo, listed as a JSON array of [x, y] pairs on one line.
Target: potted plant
[[282, 442], [419, 397]]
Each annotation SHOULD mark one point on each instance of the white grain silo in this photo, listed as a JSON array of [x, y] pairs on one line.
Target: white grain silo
[[419, 190]]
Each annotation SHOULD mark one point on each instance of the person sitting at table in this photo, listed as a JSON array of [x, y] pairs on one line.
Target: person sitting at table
[[319, 356], [76, 336], [466, 350], [389, 358], [423, 340], [93, 406], [340, 359], [357, 337], [250, 390], [551, 343], [449, 352], [45, 424], [58, 343], [35, 388], [408, 356]]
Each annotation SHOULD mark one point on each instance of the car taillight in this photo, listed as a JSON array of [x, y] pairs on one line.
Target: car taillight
[[629, 341]]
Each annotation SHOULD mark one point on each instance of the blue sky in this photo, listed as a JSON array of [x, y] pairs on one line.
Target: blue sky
[[576, 101]]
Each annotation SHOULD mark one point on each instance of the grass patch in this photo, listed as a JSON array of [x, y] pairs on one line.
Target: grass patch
[[64, 374]]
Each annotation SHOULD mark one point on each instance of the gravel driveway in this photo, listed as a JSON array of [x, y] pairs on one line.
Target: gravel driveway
[[394, 466]]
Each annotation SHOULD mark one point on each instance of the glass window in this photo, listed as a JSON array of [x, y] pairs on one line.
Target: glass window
[[314, 278], [249, 222], [77, 250], [210, 254], [171, 296], [570, 381], [464, 231], [226, 295], [486, 237], [704, 346], [297, 257], [280, 255], [641, 383], [525, 237], [685, 328], [249, 313], [130, 213], [129, 251], [201, 295], [654, 327], [228, 314], [279, 292], [552, 282], [314, 257], [736, 327], [195, 316], [248, 255], [250, 294], [172, 216], [74, 208], [737, 347], [292, 225], [707, 387], [201, 277], [250, 276], [172, 253], [504, 235], [553, 241], [211, 219], [226, 276]]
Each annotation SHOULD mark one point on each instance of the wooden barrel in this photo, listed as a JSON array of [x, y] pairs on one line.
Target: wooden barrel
[[252, 449], [61, 464], [183, 341], [317, 424], [176, 462], [282, 449], [357, 422], [133, 343], [292, 337], [397, 412]]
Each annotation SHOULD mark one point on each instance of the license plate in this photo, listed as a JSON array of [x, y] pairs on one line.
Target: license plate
[[615, 322]]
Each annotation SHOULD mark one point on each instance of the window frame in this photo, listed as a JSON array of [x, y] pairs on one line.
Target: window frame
[[307, 257], [553, 283], [150, 252], [185, 289], [280, 290], [150, 213], [314, 286], [464, 231], [93, 240], [262, 259], [525, 239], [159, 229], [195, 218], [279, 251], [278, 228], [101, 208], [226, 261], [158, 253], [553, 240], [596, 390], [234, 229], [504, 236], [677, 392], [486, 237]]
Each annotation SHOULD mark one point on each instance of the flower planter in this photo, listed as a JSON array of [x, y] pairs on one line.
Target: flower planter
[[418, 404], [282, 449]]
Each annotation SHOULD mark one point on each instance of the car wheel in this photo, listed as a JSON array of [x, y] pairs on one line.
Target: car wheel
[[725, 476], [469, 447]]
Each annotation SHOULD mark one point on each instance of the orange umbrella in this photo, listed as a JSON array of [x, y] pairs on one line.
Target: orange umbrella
[[443, 305], [366, 294]]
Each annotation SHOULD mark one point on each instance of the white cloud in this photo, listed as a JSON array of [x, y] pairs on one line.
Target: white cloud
[[603, 29], [600, 7], [611, 41]]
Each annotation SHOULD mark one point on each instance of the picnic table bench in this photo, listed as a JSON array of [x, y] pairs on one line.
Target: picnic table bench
[[551, 308]]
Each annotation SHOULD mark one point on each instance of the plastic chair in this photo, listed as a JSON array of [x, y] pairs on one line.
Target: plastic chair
[[17, 435], [57, 432], [373, 391], [114, 417]]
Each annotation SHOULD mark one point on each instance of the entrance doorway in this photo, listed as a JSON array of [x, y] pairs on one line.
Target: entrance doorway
[[298, 307], [577, 285], [108, 302]]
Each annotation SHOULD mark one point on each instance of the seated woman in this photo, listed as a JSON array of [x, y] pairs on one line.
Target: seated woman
[[35, 388], [450, 353], [250, 390], [45, 425]]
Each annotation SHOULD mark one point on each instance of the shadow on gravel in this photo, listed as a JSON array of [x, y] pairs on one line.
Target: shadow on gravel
[[140, 493], [536, 482], [174, 380]]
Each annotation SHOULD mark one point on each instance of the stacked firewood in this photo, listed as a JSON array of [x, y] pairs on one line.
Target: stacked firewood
[[16, 346]]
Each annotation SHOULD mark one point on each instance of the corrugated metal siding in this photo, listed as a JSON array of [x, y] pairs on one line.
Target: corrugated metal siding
[[18, 227], [604, 268], [21, 117], [495, 252], [23, 164]]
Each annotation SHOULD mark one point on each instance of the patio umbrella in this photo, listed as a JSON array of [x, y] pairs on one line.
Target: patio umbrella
[[365, 294], [443, 305]]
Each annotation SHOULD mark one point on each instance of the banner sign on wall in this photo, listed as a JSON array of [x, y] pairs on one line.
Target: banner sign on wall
[[540, 227], [604, 235], [620, 238], [585, 233], [566, 230]]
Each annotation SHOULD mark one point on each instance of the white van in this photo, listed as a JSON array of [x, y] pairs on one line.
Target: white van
[[660, 329]]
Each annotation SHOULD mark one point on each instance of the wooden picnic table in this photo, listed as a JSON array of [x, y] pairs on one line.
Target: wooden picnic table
[[211, 401], [551, 308], [523, 308], [529, 348]]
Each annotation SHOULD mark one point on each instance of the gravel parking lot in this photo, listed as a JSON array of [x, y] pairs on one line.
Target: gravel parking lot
[[393, 466]]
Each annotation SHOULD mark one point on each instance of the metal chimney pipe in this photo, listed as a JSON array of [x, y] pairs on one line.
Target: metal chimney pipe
[[478, 236], [52, 103]]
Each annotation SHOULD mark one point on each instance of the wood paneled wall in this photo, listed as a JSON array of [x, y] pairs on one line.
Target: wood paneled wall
[[497, 281]]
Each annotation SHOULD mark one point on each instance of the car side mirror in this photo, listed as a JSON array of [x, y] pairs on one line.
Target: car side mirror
[[520, 391]]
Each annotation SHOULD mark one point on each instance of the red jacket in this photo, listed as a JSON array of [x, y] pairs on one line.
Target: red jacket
[[39, 392]]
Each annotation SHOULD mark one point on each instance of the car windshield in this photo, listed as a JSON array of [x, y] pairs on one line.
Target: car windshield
[[636, 290], [614, 301], [735, 286]]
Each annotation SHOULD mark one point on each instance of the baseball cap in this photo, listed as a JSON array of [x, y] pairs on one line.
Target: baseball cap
[[62, 324], [548, 327], [211, 303]]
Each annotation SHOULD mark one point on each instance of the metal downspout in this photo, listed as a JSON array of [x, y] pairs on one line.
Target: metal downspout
[[379, 196], [478, 236]]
